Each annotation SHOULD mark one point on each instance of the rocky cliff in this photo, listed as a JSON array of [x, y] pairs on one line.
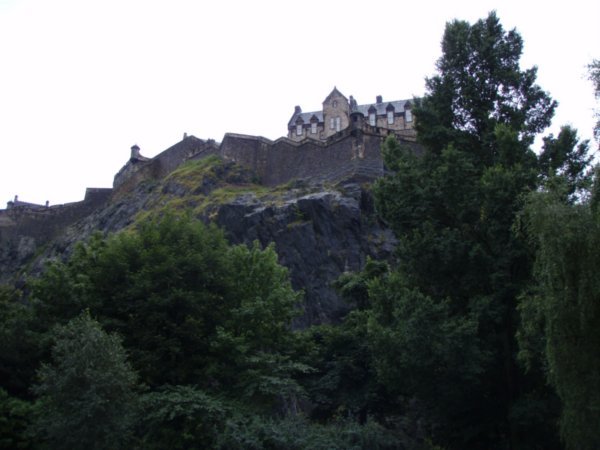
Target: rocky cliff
[[320, 230]]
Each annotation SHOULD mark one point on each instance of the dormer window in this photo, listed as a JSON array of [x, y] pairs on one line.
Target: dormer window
[[408, 115], [299, 129], [390, 113], [372, 116], [313, 128]]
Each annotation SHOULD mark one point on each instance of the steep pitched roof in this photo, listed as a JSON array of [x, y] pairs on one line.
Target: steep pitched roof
[[334, 92]]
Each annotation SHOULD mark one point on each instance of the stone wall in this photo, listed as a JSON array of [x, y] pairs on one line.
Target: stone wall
[[136, 170], [277, 162]]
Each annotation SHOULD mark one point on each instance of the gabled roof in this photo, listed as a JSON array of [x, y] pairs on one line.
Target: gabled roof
[[334, 92]]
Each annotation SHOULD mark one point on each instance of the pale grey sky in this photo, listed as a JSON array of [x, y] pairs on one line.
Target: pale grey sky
[[83, 80]]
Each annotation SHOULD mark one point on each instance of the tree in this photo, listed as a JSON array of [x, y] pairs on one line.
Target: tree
[[565, 164], [454, 207], [561, 318], [192, 310], [15, 418], [87, 394], [594, 71], [478, 86]]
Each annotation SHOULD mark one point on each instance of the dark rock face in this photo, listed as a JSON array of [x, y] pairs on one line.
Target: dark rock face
[[319, 232], [318, 236]]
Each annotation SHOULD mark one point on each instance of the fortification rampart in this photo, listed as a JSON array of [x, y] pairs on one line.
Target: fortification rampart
[[276, 162], [139, 169], [44, 223]]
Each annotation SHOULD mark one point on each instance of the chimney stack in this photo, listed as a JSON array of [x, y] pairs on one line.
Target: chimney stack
[[379, 99], [297, 109]]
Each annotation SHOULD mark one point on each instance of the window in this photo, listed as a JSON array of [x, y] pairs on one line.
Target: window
[[372, 119], [299, 130], [390, 117], [334, 104], [408, 115], [332, 123], [338, 124], [313, 128]]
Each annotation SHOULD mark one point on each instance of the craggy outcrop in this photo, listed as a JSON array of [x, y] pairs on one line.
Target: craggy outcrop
[[319, 230]]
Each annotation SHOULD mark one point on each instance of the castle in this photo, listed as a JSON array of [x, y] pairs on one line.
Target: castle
[[339, 113], [341, 141]]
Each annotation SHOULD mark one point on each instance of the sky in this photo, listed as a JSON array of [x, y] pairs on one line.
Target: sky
[[81, 81]]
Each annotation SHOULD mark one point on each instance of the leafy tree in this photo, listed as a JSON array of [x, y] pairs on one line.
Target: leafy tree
[[181, 417], [422, 351], [23, 344], [594, 71], [565, 163], [561, 319], [454, 209], [297, 433], [192, 310], [87, 394], [15, 417]]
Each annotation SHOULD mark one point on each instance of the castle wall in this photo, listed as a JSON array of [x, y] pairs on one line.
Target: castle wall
[[43, 224], [136, 171], [280, 161]]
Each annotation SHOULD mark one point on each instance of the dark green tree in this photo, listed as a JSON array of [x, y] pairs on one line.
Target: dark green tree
[[23, 344], [15, 419], [454, 207], [87, 394], [565, 164]]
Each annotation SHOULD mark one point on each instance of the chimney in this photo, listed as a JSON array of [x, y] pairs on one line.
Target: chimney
[[47, 203], [379, 99], [297, 110], [185, 135], [135, 152], [16, 198]]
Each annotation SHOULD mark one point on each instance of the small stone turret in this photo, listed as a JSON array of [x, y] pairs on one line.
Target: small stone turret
[[135, 152]]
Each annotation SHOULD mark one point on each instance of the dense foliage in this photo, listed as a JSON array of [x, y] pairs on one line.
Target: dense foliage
[[561, 316]]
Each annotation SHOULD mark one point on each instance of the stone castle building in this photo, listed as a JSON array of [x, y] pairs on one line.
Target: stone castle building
[[341, 141], [340, 113]]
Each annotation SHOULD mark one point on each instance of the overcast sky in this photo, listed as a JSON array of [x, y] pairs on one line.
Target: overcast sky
[[81, 81]]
